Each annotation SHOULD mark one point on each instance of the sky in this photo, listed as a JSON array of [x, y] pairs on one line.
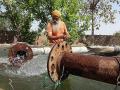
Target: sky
[[35, 25], [108, 29]]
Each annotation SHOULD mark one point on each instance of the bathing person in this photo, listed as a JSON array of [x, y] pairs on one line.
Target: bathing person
[[56, 29]]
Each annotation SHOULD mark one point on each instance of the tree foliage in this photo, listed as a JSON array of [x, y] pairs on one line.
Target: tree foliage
[[117, 33], [22, 12], [19, 17], [75, 13], [103, 11], [72, 15]]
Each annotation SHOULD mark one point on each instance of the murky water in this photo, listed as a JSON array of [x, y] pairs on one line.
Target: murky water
[[33, 76], [44, 83]]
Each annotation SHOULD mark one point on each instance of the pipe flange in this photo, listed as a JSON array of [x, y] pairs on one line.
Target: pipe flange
[[19, 54], [54, 60]]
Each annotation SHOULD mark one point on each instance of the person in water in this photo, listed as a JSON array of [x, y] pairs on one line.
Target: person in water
[[56, 29]]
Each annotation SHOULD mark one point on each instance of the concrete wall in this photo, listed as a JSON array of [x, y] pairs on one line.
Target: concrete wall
[[7, 36], [103, 40]]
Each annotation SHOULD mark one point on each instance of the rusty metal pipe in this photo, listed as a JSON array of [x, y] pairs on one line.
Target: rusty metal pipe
[[17, 54], [99, 68]]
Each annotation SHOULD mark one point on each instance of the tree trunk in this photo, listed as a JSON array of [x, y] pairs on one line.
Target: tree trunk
[[92, 27]]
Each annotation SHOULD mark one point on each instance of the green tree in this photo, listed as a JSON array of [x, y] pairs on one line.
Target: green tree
[[101, 11], [72, 14], [19, 17], [76, 14], [117, 33], [4, 23]]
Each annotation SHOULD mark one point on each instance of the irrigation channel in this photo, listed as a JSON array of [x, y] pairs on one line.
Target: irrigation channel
[[33, 75]]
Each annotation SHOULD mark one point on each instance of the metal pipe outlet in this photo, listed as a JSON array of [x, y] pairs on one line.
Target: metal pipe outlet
[[19, 54], [62, 62]]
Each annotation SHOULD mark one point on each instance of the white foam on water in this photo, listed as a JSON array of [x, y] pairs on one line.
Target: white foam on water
[[4, 60], [34, 67]]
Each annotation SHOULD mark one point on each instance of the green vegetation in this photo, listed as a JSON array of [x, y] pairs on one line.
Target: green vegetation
[[18, 18], [117, 33], [72, 15], [77, 14]]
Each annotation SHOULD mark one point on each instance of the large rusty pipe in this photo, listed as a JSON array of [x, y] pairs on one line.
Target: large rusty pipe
[[99, 68]]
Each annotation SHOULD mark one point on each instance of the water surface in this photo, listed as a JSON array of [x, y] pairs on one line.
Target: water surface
[[33, 76]]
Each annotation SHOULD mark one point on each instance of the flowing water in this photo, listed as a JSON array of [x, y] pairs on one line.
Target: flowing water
[[33, 76]]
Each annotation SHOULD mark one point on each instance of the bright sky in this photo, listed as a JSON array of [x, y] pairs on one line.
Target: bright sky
[[35, 25], [108, 29]]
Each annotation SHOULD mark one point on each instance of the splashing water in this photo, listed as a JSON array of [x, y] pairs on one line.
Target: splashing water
[[36, 66], [33, 67]]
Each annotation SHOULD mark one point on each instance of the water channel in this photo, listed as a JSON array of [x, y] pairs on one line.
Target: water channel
[[33, 76]]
